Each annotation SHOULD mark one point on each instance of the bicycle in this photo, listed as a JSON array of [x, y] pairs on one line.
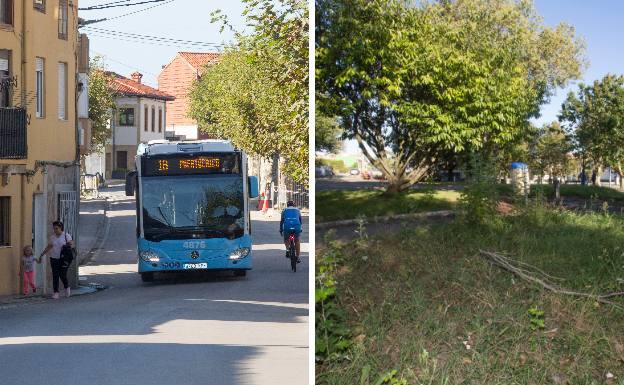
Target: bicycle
[[292, 252]]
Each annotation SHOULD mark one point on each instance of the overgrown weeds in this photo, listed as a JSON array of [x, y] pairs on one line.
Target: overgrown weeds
[[425, 304]]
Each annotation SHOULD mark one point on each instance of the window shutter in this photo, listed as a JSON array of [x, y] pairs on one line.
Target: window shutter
[[61, 91]]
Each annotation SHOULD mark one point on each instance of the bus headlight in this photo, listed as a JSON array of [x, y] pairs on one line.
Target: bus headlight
[[149, 256], [239, 253]]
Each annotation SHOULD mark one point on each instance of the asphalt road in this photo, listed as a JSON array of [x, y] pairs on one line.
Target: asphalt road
[[206, 329]]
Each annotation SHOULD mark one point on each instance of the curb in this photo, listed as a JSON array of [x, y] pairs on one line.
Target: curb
[[350, 222], [22, 300]]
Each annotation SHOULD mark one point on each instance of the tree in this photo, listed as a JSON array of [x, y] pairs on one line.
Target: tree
[[327, 133], [550, 153], [101, 103], [257, 94], [413, 82], [595, 119]]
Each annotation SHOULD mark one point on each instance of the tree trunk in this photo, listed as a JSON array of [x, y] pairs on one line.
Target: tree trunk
[[450, 169], [394, 188], [557, 184], [597, 175]]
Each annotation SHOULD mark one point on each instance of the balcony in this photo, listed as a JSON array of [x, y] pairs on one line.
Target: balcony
[[13, 127]]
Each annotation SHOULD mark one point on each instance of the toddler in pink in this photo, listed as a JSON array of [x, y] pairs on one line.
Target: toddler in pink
[[28, 269]]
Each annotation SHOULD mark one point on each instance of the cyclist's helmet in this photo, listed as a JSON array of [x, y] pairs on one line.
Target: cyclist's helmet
[[290, 204]]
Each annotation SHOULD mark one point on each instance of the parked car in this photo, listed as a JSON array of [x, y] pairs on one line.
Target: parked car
[[376, 174], [354, 171], [323, 172]]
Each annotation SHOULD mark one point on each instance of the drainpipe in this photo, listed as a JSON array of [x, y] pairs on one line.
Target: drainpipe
[[23, 57], [73, 278], [23, 218], [44, 261]]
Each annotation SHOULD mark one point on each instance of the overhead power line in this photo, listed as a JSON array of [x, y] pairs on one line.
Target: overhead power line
[[86, 22], [116, 4], [143, 71], [147, 39]]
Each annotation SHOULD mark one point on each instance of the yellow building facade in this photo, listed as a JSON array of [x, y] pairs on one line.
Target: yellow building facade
[[39, 49]]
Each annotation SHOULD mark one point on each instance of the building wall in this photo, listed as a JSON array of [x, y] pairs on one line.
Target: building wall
[[49, 138], [176, 79], [146, 136], [189, 132]]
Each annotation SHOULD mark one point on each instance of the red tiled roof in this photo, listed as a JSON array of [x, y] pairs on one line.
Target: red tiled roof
[[129, 87], [199, 59]]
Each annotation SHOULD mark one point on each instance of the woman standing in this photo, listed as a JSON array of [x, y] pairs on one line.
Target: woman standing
[[56, 242]]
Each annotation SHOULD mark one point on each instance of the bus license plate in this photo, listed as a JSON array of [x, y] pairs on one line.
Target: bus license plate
[[195, 265]]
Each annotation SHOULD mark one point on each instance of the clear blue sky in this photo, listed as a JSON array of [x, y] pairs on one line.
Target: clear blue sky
[[179, 19], [600, 24]]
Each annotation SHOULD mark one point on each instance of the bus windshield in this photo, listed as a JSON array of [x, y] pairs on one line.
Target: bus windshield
[[185, 207]]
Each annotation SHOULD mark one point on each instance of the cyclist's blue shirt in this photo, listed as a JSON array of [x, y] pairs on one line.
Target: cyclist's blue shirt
[[291, 220]]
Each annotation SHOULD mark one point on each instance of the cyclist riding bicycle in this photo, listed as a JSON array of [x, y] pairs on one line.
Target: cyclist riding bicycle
[[291, 224]]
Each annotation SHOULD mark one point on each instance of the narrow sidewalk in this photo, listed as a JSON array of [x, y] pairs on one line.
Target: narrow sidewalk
[[91, 227]]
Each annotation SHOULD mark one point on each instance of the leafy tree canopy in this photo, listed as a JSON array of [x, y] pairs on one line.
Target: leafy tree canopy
[[101, 103], [595, 118], [412, 81], [257, 95]]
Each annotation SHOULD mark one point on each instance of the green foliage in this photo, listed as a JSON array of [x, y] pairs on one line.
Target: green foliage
[[337, 165], [333, 336], [536, 317], [101, 103], [257, 94], [479, 198], [422, 79], [326, 133], [425, 288], [550, 152], [595, 118]]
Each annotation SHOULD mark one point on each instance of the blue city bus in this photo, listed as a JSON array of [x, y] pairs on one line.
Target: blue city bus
[[192, 201]]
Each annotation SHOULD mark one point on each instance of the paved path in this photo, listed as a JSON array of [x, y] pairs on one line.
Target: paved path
[[207, 329], [355, 182]]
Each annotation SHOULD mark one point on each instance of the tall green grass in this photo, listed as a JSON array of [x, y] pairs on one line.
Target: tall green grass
[[342, 204], [418, 299]]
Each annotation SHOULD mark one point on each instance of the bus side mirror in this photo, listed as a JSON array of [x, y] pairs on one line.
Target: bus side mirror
[[131, 183], [253, 186]]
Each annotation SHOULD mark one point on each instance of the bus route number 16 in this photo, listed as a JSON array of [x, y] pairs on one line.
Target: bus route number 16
[[194, 245]]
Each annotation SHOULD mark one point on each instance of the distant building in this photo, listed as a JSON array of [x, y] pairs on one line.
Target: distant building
[[140, 116], [176, 79]]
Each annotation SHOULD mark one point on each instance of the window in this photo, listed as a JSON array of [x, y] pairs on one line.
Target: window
[[39, 5], [5, 78], [5, 221], [153, 118], [145, 118], [62, 91], [6, 12], [160, 120], [62, 20], [39, 64], [126, 117]]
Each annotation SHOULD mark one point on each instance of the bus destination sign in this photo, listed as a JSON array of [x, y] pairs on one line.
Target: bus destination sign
[[185, 164]]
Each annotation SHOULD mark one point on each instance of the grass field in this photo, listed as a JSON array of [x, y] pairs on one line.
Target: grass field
[[341, 204], [423, 302], [571, 190]]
